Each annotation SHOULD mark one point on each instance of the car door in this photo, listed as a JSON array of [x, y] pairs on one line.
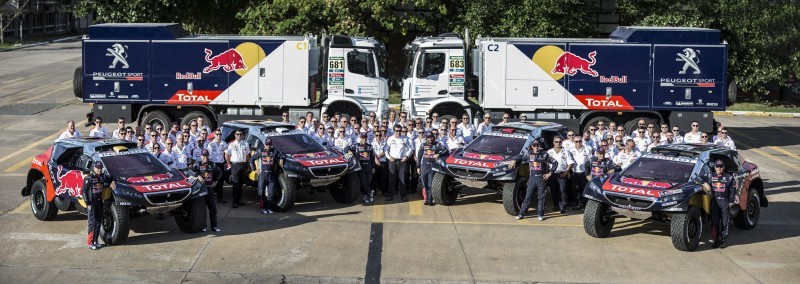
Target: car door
[[66, 176]]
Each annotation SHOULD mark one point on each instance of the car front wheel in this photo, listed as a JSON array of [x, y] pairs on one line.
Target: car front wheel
[[686, 228], [597, 220]]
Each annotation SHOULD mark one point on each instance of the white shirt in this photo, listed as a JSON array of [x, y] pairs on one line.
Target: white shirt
[[238, 151], [642, 143], [468, 132], [342, 142], [483, 128], [102, 132], [216, 151], [564, 159], [379, 147], [692, 137], [626, 159], [728, 143], [580, 157], [66, 134], [115, 134], [454, 142], [180, 157], [398, 147], [567, 144], [435, 125], [165, 158], [319, 138]]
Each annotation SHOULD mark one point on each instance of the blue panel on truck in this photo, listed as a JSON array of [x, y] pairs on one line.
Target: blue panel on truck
[[666, 35], [136, 31], [178, 63], [624, 68], [689, 77], [115, 71]]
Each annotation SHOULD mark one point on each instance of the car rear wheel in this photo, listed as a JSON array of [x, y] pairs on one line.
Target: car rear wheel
[[286, 194], [442, 189], [347, 190], [748, 219], [597, 220], [43, 210], [115, 224], [191, 217], [513, 196], [686, 228]]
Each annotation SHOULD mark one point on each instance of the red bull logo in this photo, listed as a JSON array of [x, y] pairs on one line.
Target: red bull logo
[[569, 64], [70, 182], [229, 60]]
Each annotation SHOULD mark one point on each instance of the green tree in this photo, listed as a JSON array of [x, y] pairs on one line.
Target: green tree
[[196, 16], [763, 35]]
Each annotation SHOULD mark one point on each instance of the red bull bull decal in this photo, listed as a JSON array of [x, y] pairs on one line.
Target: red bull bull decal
[[70, 182], [229, 60], [638, 182], [484, 157], [569, 64], [152, 178]]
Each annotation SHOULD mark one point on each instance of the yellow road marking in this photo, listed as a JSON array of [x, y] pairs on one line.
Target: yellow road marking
[[770, 156], [377, 211], [540, 224], [14, 80], [523, 222], [742, 134], [27, 79], [48, 138], [787, 153], [415, 208], [21, 209], [25, 162], [787, 131], [45, 94]]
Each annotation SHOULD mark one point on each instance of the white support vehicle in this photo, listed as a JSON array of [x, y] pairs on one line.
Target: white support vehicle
[[356, 77]]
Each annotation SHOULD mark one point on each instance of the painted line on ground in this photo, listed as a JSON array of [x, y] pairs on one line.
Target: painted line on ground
[[45, 94], [787, 153], [13, 80], [415, 208], [27, 79], [46, 139], [377, 211], [21, 209], [15, 167], [770, 156], [787, 131], [481, 223]]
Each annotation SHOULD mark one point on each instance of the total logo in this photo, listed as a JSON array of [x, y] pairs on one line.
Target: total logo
[[165, 186], [470, 163], [601, 102], [322, 162], [630, 190]]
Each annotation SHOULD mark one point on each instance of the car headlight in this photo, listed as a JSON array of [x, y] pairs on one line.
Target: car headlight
[[595, 188], [674, 197], [506, 165], [671, 192]]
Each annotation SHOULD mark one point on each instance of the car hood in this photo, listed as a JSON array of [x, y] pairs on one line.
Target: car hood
[[478, 160], [322, 158], [639, 187], [156, 182]]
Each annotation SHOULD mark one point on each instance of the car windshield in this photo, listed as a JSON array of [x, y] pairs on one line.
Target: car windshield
[[295, 144], [658, 169], [488, 144], [133, 165]]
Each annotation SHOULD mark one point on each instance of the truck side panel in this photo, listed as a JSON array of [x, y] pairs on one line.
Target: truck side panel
[[529, 78], [115, 71], [614, 76], [177, 73], [689, 77]]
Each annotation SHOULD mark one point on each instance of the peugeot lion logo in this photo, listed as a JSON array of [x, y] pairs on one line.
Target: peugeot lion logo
[[690, 57], [118, 51]]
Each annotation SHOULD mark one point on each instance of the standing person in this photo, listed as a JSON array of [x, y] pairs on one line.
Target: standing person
[[365, 154], [669, 138], [174, 131], [145, 133], [92, 191], [208, 174], [120, 127], [268, 160], [568, 144], [676, 131], [467, 129], [216, 149], [197, 151], [523, 118], [694, 135], [454, 141], [562, 171], [724, 140], [626, 157], [541, 167], [428, 124], [581, 154], [397, 151], [656, 141], [602, 131], [393, 118], [599, 165], [506, 118], [301, 124], [236, 157], [372, 119], [319, 136], [181, 154], [285, 117], [428, 153], [486, 126], [129, 134], [140, 141], [641, 124], [326, 121], [664, 130], [403, 118], [329, 137], [165, 158], [70, 132], [201, 124], [381, 172], [722, 187], [342, 140], [641, 140], [435, 120], [99, 130], [703, 138]]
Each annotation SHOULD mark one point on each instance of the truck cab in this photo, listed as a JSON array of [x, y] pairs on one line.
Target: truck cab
[[356, 77]]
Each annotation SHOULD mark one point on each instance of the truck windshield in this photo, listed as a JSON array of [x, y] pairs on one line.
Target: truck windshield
[[431, 63], [133, 165], [487, 144], [659, 169], [295, 144], [361, 62]]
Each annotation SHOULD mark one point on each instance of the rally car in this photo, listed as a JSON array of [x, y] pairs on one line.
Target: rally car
[[307, 163], [488, 162], [663, 186], [142, 183]]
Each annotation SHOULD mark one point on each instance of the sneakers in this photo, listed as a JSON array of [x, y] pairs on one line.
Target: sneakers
[[541, 218], [216, 229], [204, 230], [365, 199], [266, 211], [403, 198], [427, 202], [563, 210], [372, 196], [520, 217], [98, 245], [93, 247]]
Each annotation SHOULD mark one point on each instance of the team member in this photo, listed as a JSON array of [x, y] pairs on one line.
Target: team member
[[140, 141], [99, 130], [330, 138], [427, 155], [181, 154], [165, 158], [724, 140], [602, 132], [626, 157], [656, 141], [541, 167], [198, 150], [393, 118], [704, 138], [676, 131], [467, 129], [236, 157], [93, 186], [486, 126], [568, 144], [342, 140], [269, 159], [722, 187], [397, 151], [381, 173], [201, 125], [600, 165], [454, 141], [581, 154], [120, 128], [435, 120], [641, 124], [365, 154], [694, 135], [70, 132], [319, 136], [208, 174], [285, 117], [641, 140], [216, 149], [562, 171], [506, 118], [523, 118], [664, 130]]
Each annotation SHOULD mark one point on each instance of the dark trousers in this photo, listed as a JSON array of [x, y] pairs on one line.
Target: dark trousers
[[426, 178], [95, 216], [266, 188], [397, 174], [412, 180], [211, 203], [578, 184], [720, 217], [365, 175], [560, 196], [535, 183], [237, 179], [225, 175]]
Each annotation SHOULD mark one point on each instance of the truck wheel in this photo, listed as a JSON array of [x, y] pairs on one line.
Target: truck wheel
[[77, 82], [344, 108], [347, 190], [116, 224], [442, 189], [450, 110], [597, 222], [686, 229], [43, 210], [191, 217], [595, 120], [155, 118], [514, 195], [194, 115], [632, 124], [748, 219], [286, 194]]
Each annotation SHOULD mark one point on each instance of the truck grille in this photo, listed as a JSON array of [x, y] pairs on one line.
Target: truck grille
[[625, 200], [470, 173], [328, 171], [167, 197]]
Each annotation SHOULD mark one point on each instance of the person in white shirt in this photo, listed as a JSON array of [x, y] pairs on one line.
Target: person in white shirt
[[486, 126], [120, 128], [567, 143], [326, 121], [523, 118], [140, 141], [694, 135], [669, 138], [663, 131], [581, 154], [201, 125], [562, 171], [237, 156], [412, 132], [704, 139], [180, 154], [506, 118], [454, 141], [444, 125], [620, 133], [165, 158], [319, 136], [403, 118], [676, 131], [393, 119], [70, 132], [99, 130], [329, 137], [380, 178], [428, 124], [656, 141], [174, 131], [342, 140], [640, 124], [601, 133], [154, 140], [724, 140], [130, 135], [626, 157], [285, 117], [467, 129], [641, 140], [398, 151], [435, 120], [589, 142], [301, 124], [216, 151]]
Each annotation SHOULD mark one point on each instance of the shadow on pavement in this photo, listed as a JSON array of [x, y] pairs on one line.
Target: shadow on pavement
[[764, 136]]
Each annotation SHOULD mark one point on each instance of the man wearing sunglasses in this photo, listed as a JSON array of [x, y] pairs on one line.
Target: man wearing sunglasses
[[565, 162], [541, 167], [694, 135], [216, 149], [639, 124], [467, 129], [642, 140], [99, 130], [285, 117], [237, 156], [120, 128], [724, 140], [429, 152], [365, 154], [181, 154], [398, 151], [486, 125], [435, 120], [722, 187], [380, 179]]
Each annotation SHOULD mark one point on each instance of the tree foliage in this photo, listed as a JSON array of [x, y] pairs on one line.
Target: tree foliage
[[197, 16]]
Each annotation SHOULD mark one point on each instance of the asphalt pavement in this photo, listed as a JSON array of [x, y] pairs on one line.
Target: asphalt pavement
[[398, 242]]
